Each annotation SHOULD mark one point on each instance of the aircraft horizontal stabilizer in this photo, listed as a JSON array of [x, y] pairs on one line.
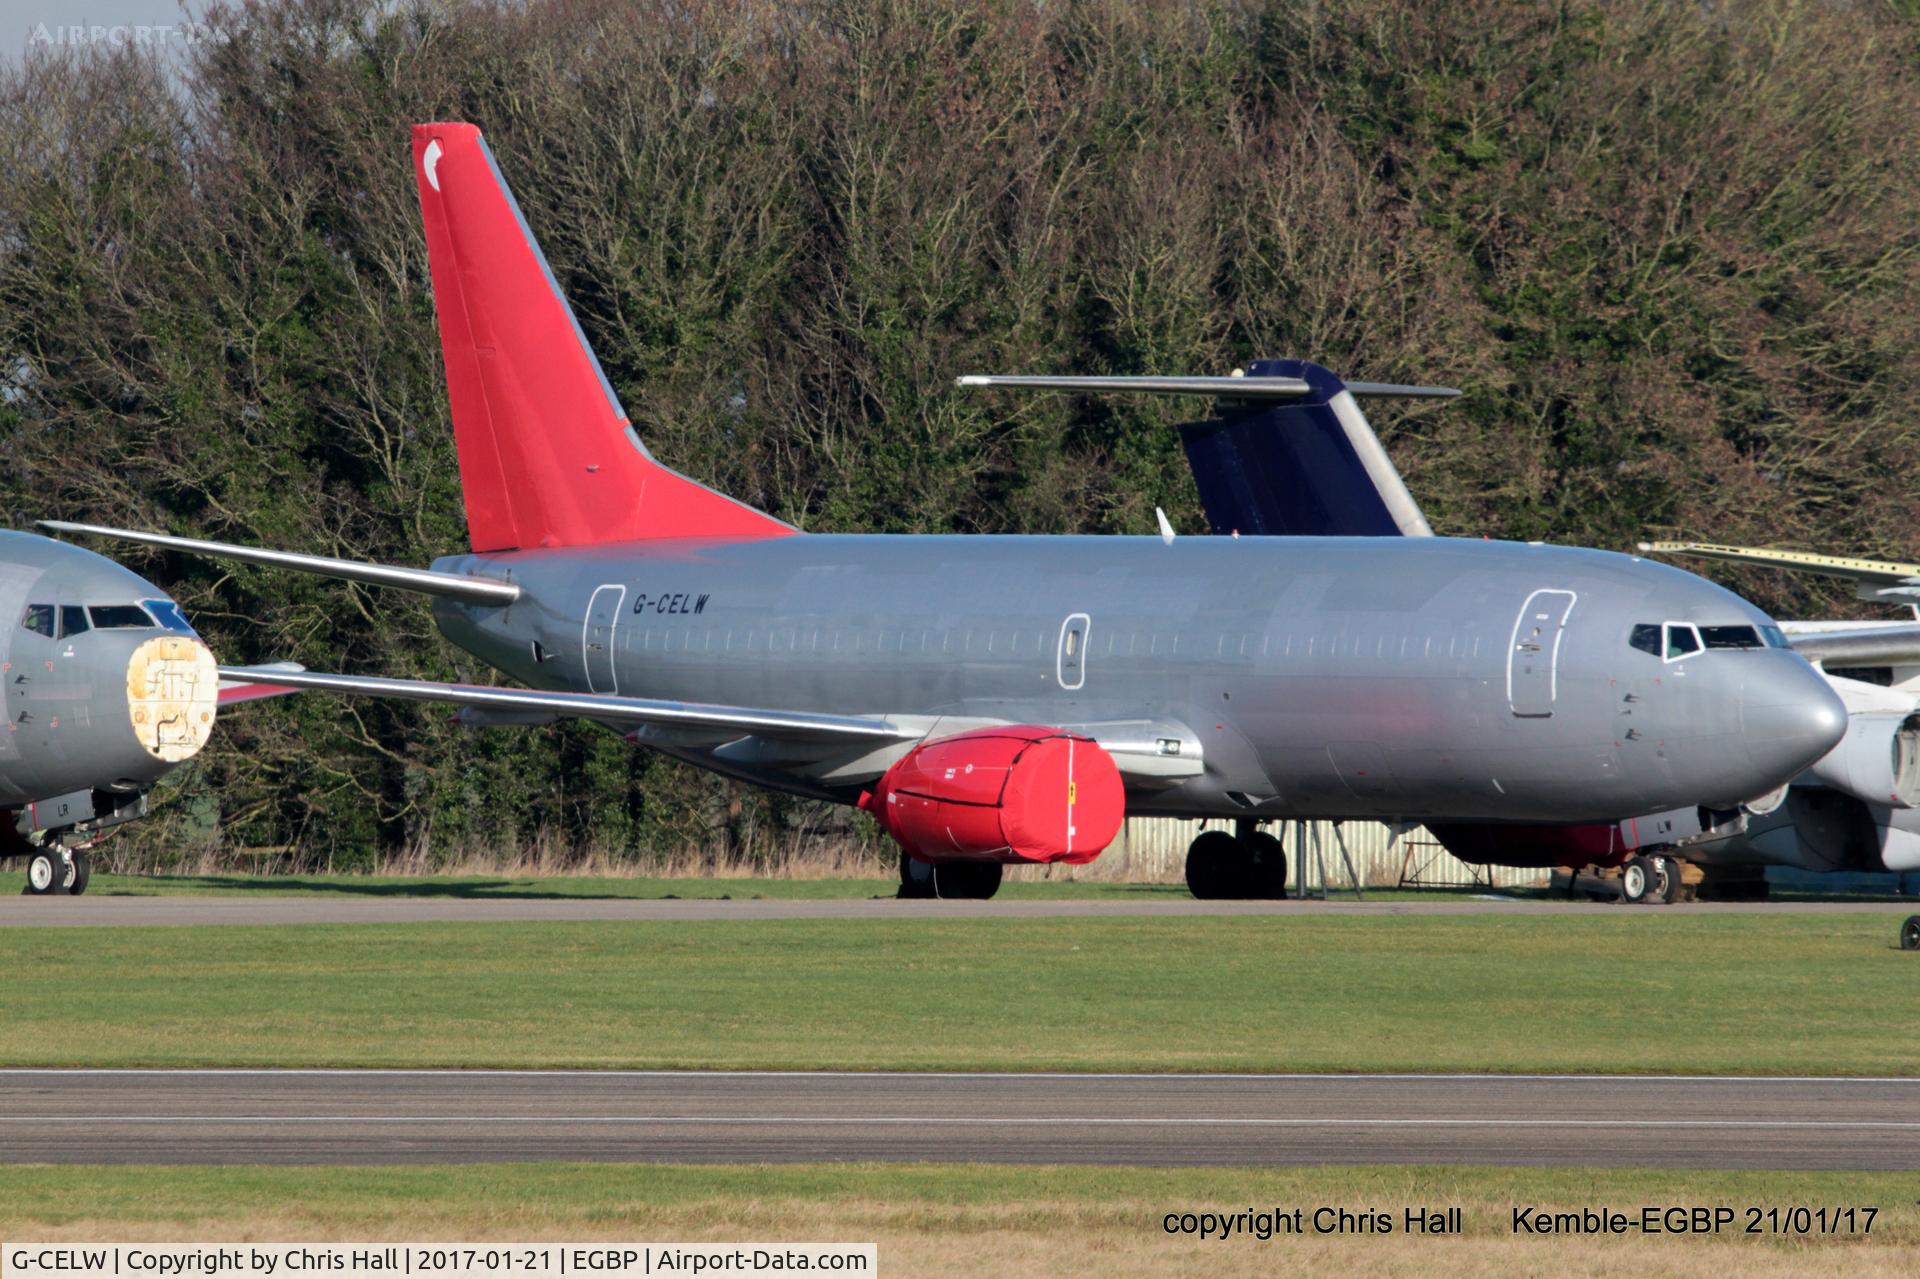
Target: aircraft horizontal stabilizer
[[476, 590], [1225, 388], [627, 710]]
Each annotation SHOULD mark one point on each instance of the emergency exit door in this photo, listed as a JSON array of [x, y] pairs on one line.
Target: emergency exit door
[[596, 638], [1070, 660], [1533, 658]]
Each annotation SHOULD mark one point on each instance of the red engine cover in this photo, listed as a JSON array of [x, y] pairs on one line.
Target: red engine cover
[[1016, 794]]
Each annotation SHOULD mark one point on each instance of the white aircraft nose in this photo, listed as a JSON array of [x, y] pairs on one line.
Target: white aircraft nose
[[173, 694]]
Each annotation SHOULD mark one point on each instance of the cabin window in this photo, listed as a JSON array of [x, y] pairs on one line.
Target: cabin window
[[1730, 636], [39, 619], [73, 620], [1646, 638], [1682, 640]]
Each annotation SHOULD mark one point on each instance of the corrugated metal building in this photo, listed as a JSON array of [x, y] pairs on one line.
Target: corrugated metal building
[[1153, 850]]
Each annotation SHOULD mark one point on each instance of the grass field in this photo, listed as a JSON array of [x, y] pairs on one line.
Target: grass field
[[1622, 990], [511, 886], [971, 1219], [638, 886], [735, 887]]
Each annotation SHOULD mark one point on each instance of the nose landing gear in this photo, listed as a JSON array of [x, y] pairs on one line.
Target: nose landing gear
[[1650, 879], [55, 871]]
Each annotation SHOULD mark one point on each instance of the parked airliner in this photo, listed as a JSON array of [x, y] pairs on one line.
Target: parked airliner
[[1006, 699]]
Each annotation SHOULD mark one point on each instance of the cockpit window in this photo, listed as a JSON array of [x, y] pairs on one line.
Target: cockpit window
[[39, 619], [122, 617], [1730, 636], [1775, 637], [168, 614], [1646, 638], [1681, 640], [73, 620]]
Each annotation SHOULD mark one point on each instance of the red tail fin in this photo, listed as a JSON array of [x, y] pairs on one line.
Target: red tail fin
[[547, 457]]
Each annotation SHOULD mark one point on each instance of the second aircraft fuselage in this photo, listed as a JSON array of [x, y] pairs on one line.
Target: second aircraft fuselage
[[1340, 677]]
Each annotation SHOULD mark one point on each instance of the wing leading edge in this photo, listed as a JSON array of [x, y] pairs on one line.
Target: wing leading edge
[[635, 711]]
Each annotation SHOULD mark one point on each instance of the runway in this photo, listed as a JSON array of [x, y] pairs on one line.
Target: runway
[[97, 912], [353, 1117]]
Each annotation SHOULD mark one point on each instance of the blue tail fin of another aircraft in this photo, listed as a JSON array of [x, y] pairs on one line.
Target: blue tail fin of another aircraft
[[1304, 467]]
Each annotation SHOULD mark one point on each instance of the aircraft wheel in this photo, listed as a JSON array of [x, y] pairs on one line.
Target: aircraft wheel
[[1666, 879], [46, 872], [1910, 933], [1636, 880], [82, 872], [1269, 866], [916, 876], [967, 881], [1215, 862]]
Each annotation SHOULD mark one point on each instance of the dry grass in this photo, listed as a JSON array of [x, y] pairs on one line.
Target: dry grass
[[969, 1220]]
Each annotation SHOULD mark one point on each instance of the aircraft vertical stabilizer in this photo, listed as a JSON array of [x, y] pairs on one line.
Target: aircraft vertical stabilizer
[[547, 455], [1288, 452], [1310, 466]]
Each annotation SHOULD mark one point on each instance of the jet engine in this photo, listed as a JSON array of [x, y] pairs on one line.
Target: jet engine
[[1019, 794], [1877, 761]]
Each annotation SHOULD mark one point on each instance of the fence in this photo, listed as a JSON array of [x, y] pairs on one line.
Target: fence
[[1153, 850]]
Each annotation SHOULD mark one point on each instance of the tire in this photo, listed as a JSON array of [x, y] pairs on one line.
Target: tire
[[967, 881], [1910, 933], [82, 873], [916, 877], [1269, 866], [1636, 880], [1214, 862], [46, 873], [1667, 875]]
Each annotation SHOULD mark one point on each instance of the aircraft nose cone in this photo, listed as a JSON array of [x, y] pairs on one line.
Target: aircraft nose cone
[[1790, 717]]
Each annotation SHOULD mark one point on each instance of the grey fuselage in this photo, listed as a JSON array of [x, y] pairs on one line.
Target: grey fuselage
[[73, 725], [1331, 678]]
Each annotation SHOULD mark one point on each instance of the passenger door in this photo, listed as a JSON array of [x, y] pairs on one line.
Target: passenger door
[[1533, 656]]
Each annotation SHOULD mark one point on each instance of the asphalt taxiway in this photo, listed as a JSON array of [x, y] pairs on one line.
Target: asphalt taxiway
[[506, 907], [348, 1117]]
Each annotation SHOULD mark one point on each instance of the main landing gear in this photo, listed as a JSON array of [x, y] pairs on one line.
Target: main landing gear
[[1248, 863], [975, 881], [56, 871]]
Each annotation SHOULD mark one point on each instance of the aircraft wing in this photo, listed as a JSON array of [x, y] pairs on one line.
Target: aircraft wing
[[233, 692], [1856, 643], [1882, 581], [636, 711]]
